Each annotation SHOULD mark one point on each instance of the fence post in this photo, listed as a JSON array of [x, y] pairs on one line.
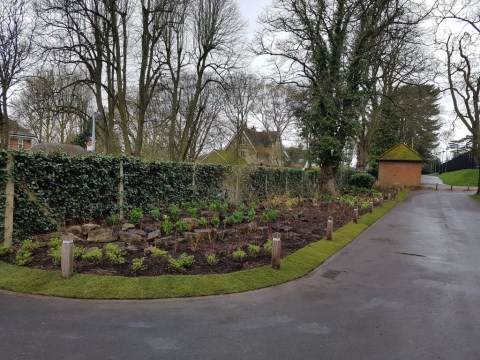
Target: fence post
[[355, 215], [121, 192], [276, 251], [9, 201], [370, 206], [436, 186], [286, 182], [303, 182], [237, 183], [67, 259], [330, 228]]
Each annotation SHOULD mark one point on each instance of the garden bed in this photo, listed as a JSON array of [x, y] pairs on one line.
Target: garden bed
[[201, 238]]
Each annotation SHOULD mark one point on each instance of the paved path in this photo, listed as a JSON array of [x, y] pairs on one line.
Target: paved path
[[408, 288]]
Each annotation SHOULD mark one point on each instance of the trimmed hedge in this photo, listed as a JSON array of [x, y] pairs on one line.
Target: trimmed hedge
[[54, 188]]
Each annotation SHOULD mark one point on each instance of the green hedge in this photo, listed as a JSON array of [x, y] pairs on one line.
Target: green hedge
[[76, 189]]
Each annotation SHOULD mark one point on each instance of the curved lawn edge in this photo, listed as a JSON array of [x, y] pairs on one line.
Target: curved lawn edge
[[86, 286]]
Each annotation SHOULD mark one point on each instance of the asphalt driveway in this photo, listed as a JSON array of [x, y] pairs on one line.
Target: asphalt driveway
[[408, 288]]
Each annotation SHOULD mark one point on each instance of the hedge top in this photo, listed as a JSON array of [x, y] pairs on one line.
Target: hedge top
[[401, 152]]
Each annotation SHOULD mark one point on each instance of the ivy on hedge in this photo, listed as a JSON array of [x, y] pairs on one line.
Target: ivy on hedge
[[81, 188]]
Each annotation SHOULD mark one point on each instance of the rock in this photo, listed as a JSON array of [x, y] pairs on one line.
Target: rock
[[167, 240], [153, 235], [132, 237], [148, 250], [286, 228], [149, 228], [76, 230], [132, 248], [101, 235], [192, 223], [87, 228], [70, 236], [93, 248], [127, 226]]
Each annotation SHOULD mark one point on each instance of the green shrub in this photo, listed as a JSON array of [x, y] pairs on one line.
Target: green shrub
[[239, 255], [94, 255], [225, 206], [212, 259], [270, 215], [237, 216], [180, 264], [78, 252], [56, 255], [253, 250], [24, 255], [203, 222], [29, 245], [167, 225], [214, 205], [138, 264], [112, 219], [250, 215], [267, 247], [155, 213], [228, 221], [174, 211], [191, 212], [55, 243], [362, 179], [135, 216], [215, 221], [5, 250], [114, 254], [158, 253], [181, 226]]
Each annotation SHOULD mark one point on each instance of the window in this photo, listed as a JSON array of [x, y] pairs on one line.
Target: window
[[20, 143]]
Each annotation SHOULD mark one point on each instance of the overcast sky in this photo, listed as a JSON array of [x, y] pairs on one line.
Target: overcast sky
[[250, 10]]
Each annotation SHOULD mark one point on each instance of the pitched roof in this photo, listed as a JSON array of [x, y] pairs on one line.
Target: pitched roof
[[401, 152], [69, 149], [18, 130], [223, 157], [261, 138]]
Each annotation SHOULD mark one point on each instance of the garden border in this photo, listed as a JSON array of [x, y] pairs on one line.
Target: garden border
[[87, 286]]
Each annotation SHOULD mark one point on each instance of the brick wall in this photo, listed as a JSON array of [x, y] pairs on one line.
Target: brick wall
[[401, 173]]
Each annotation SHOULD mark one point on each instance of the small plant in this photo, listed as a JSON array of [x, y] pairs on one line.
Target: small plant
[[94, 255], [267, 247], [269, 215], [78, 252], [214, 205], [112, 219], [158, 253], [180, 264], [174, 211], [5, 250], [167, 225], [250, 215], [239, 255], [114, 254], [203, 222], [56, 255], [138, 264], [155, 213], [227, 221], [191, 212], [253, 250], [24, 255], [55, 243], [135, 216], [212, 259], [215, 221], [225, 206], [181, 226], [237, 217], [242, 207]]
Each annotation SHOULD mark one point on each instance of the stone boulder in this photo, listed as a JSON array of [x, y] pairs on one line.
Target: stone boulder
[[70, 236], [76, 230], [127, 226], [100, 235], [133, 236], [87, 228], [153, 235]]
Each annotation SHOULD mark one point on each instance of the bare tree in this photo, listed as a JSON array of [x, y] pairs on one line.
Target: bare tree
[[16, 33]]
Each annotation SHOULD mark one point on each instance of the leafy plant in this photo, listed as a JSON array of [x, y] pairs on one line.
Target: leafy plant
[[181, 226], [158, 253], [215, 221], [267, 247], [180, 264], [225, 206], [237, 217], [114, 254], [78, 252], [167, 225], [362, 179], [56, 255], [24, 255], [94, 255], [239, 255], [253, 250], [214, 205], [174, 211], [269, 215], [135, 216], [251, 215], [191, 212], [55, 243], [155, 213], [112, 219], [203, 222], [212, 259], [227, 221], [5, 250], [138, 264]]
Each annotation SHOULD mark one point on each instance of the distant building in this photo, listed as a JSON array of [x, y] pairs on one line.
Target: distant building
[[20, 137], [401, 165], [69, 149], [255, 148]]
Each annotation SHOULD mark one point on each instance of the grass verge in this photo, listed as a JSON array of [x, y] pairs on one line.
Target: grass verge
[[86, 286], [467, 177]]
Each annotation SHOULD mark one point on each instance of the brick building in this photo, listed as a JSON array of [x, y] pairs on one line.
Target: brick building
[[19, 137], [401, 165]]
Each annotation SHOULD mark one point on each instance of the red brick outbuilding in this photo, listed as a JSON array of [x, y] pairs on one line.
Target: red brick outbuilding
[[401, 165]]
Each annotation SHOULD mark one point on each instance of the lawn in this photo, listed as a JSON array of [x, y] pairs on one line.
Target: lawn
[[298, 264], [468, 177]]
